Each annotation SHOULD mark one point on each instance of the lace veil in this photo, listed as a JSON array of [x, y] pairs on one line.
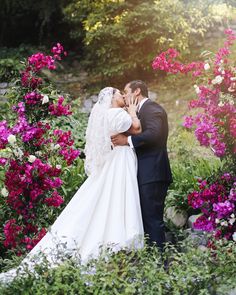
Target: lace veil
[[98, 142]]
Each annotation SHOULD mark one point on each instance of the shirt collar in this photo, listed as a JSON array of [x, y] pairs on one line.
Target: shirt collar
[[142, 102]]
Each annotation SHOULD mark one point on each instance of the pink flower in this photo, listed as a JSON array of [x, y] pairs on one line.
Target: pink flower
[[55, 200], [223, 208], [33, 97], [11, 231], [188, 122], [58, 109]]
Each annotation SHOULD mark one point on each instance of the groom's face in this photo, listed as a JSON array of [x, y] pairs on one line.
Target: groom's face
[[127, 93]]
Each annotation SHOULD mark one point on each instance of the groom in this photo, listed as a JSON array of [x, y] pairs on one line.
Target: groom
[[154, 174]]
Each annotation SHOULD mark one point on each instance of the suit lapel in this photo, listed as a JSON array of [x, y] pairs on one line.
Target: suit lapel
[[143, 107]]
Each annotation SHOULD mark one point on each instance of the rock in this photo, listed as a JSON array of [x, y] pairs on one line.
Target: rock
[[152, 95], [202, 248], [3, 91], [232, 292], [87, 105], [178, 218], [94, 98], [199, 238], [3, 85]]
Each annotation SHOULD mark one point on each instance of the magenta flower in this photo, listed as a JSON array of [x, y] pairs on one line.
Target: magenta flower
[[223, 209], [188, 122], [58, 109]]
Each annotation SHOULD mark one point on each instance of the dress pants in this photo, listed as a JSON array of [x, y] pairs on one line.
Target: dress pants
[[152, 199]]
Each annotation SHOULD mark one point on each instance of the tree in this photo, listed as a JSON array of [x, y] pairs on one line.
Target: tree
[[121, 38]]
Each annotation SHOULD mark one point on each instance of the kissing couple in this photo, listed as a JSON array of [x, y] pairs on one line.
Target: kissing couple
[[128, 177]]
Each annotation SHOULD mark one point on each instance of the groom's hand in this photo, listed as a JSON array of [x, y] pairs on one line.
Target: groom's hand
[[119, 139]]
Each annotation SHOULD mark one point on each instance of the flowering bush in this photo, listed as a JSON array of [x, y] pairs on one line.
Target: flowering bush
[[30, 151], [216, 198], [214, 127]]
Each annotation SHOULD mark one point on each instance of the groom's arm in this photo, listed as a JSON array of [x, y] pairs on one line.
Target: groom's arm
[[153, 130], [151, 135]]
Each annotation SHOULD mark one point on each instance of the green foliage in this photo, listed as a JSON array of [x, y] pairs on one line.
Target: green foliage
[[122, 37], [11, 61], [9, 68], [190, 271], [189, 163]]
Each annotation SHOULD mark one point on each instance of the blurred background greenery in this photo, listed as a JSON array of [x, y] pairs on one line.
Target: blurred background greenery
[[116, 40]]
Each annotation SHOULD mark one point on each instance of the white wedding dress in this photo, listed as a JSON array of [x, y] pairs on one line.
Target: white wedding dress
[[105, 211]]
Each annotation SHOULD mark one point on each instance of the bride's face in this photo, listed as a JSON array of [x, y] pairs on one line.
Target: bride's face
[[118, 97]]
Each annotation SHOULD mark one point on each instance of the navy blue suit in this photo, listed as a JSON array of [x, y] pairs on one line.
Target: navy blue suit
[[154, 173]]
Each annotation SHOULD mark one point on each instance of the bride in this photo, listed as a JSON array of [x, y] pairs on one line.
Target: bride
[[105, 211]]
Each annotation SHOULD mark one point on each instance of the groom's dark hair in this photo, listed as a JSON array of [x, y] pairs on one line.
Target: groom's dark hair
[[139, 84]]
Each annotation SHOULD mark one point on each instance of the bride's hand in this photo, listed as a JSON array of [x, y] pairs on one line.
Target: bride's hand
[[132, 105]]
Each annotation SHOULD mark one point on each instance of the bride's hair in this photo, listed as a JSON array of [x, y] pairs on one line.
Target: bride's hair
[[98, 142]]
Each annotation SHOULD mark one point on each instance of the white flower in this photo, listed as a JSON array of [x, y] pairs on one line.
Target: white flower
[[38, 153], [232, 215], [221, 104], [31, 158], [206, 66], [233, 78], [54, 147], [224, 223], [11, 139], [197, 89], [234, 236], [45, 99], [58, 166], [4, 192], [232, 221], [218, 79], [57, 146], [217, 220], [177, 102], [18, 153]]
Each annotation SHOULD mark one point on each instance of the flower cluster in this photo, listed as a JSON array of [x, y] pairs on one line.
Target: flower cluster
[[33, 97], [15, 235], [166, 62], [32, 184], [217, 202], [63, 139], [28, 185], [215, 125], [58, 109], [37, 62]]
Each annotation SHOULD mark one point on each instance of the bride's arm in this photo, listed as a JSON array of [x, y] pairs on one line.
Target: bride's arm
[[136, 127]]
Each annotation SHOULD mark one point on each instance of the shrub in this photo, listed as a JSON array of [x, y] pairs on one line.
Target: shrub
[[121, 37], [190, 271], [31, 152]]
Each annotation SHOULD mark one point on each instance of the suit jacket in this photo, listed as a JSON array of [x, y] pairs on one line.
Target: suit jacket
[[151, 145]]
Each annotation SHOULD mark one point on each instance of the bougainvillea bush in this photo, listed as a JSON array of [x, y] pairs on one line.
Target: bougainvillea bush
[[32, 155], [214, 125]]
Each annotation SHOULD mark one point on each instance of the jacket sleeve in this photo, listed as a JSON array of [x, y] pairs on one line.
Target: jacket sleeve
[[152, 134]]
